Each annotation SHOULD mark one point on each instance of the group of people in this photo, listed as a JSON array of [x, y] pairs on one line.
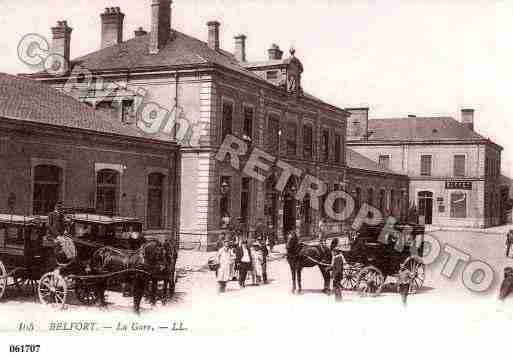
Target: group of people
[[242, 254]]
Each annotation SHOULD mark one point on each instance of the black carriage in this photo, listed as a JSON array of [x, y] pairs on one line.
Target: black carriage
[[89, 233], [374, 254], [25, 255]]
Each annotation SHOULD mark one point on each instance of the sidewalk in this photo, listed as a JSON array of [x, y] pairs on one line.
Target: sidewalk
[[492, 230]]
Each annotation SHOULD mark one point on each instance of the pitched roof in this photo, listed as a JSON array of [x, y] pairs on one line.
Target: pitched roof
[[420, 128], [33, 101], [180, 50], [358, 161]]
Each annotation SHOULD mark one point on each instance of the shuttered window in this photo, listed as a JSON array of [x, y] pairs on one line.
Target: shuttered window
[[425, 165], [307, 142], [459, 166], [227, 120], [384, 161], [274, 133]]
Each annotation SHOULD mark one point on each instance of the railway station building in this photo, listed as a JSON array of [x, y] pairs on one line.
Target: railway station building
[[196, 93], [454, 172], [54, 148]]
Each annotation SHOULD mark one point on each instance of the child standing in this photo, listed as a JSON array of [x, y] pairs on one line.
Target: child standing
[[258, 262], [337, 265]]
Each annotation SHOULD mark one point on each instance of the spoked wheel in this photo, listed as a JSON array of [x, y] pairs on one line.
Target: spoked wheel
[[370, 281], [3, 279], [350, 278], [418, 271], [85, 293], [53, 289]]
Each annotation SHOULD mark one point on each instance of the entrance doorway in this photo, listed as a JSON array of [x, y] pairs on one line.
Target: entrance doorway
[[289, 214], [426, 206]]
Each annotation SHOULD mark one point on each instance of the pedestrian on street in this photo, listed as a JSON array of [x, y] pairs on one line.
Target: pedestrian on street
[[225, 260], [244, 261], [258, 262], [403, 282], [337, 266], [509, 241]]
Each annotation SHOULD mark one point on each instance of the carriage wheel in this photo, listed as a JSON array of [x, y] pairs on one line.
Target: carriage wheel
[[53, 289], [370, 281], [86, 294], [350, 278], [418, 270], [3, 279]]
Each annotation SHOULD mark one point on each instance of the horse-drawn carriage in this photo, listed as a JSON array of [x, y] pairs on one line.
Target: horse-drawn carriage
[[24, 254], [374, 254], [27, 254]]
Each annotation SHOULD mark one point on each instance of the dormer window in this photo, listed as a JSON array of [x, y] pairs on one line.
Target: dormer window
[[272, 75]]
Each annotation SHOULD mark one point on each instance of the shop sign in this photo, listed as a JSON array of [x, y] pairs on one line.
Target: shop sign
[[465, 185]]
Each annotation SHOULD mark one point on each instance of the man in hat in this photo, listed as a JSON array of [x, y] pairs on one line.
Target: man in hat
[[403, 282], [337, 266]]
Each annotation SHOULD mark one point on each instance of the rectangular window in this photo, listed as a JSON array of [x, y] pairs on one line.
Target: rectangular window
[[274, 133], [307, 142], [248, 122], [425, 165], [225, 202], [227, 120], [127, 111], [338, 148], [155, 218], [325, 149], [245, 199], [459, 166], [458, 205], [384, 161], [272, 75], [291, 139]]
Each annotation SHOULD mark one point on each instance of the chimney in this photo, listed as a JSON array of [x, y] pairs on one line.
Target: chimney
[[61, 44], [467, 118], [358, 123], [213, 34], [140, 32], [412, 116], [160, 24], [275, 53], [112, 26], [240, 48]]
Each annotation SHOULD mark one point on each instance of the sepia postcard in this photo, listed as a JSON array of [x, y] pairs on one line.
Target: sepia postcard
[[255, 178]]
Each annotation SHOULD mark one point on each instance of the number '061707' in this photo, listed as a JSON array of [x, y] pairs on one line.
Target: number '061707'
[[25, 348]]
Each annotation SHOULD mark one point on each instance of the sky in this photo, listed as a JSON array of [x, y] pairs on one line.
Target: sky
[[428, 58]]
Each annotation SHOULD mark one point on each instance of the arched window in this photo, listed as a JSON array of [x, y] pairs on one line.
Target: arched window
[[155, 201], [47, 188], [107, 192]]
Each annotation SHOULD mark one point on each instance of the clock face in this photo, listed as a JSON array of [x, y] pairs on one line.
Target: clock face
[[291, 83]]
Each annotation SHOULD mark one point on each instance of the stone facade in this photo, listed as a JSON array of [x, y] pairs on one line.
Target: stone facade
[[469, 197]]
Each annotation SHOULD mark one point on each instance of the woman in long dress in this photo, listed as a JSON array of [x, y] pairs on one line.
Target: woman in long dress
[[225, 258]]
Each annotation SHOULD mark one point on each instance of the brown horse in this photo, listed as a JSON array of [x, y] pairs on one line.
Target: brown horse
[[300, 256], [142, 267]]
